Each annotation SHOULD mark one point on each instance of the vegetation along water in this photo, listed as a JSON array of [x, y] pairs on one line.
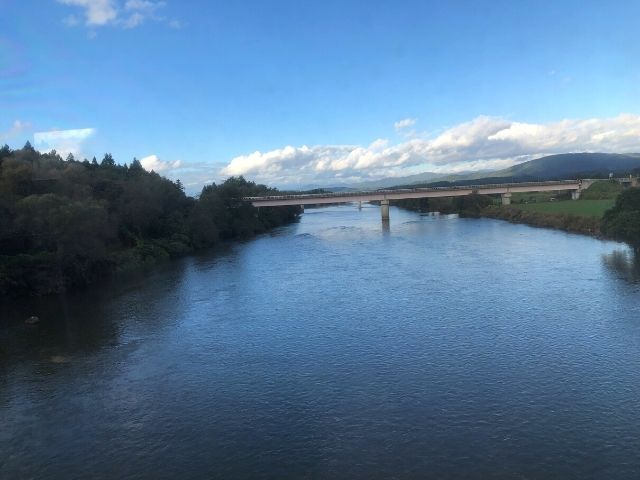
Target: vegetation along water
[[68, 223], [605, 209]]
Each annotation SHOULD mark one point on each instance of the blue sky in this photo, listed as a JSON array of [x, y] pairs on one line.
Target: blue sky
[[301, 92]]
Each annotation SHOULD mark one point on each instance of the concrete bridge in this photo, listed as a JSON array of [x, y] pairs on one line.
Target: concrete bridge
[[505, 190]]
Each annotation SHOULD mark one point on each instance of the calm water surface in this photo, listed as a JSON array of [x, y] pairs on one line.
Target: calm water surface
[[333, 348]]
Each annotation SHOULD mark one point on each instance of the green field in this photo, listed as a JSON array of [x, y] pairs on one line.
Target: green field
[[583, 208], [533, 197]]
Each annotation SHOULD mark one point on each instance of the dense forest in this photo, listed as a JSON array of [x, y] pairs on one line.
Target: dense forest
[[65, 223]]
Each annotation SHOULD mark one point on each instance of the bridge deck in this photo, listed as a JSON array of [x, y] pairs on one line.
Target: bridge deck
[[404, 193]]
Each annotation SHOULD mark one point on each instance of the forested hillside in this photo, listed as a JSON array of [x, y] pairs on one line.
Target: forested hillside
[[65, 223]]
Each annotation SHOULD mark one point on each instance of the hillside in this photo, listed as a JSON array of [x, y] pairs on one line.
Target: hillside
[[584, 165], [552, 167]]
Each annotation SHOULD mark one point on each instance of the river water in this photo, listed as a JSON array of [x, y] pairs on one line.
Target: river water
[[440, 347]]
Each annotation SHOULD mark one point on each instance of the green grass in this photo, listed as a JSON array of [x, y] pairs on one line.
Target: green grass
[[582, 208], [533, 197], [601, 190]]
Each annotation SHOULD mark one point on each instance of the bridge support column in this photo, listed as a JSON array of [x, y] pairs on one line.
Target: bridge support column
[[575, 194], [384, 210], [359, 205], [302, 208], [634, 181], [506, 199]]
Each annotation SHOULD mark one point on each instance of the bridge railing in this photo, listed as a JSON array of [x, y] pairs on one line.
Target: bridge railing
[[361, 193]]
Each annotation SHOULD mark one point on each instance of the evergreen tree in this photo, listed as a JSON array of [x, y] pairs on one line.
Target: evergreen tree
[[136, 166], [108, 161]]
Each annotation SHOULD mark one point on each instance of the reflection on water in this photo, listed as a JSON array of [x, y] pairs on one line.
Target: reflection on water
[[337, 347], [625, 263]]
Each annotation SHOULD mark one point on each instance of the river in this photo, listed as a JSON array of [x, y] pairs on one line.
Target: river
[[440, 347]]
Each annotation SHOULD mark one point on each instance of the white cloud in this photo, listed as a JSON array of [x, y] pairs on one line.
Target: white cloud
[[143, 5], [482, 143], [405, 123], [63, 141], [71, 21], [153, 162], [133, 20], [97, 12], [130, 14], [16, 129]]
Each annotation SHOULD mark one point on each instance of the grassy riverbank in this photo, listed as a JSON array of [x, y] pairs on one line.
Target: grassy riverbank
[[556, 210], [580, 208], [544, 209], [564, 218]]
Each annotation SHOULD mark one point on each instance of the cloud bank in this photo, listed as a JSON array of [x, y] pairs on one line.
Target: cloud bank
[[63, 142], [482, 143], [127, 14]]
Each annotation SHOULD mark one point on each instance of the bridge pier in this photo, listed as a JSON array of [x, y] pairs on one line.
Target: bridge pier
[[384, 210], [360, 205], [506, 199], [575, 194], [634, 181]]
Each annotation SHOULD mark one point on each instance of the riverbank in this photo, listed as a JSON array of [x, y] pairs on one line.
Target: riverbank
[[65, 224], [585, 225], [544, 210], [41, 275]]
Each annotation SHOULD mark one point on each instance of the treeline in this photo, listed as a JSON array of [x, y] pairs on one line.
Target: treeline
[[622, 222], [66, 223], [468, 204]]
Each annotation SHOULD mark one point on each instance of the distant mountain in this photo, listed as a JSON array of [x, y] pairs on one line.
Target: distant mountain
[[578, 165], [418, 178], [552, 167], [391, 181]]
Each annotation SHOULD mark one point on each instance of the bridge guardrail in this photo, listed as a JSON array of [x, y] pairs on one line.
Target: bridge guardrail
[[407, 190]]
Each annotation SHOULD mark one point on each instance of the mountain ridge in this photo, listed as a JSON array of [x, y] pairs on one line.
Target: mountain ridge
[[549, 167]]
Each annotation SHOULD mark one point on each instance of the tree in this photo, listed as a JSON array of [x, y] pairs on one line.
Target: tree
[[5, 151], [107, 161], [136, 166], [622, 222], [471, 204]]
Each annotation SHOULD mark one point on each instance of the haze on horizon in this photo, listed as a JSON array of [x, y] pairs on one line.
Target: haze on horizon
[[325, 93]]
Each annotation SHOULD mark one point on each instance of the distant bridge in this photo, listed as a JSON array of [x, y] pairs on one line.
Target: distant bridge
[[383, 196]]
